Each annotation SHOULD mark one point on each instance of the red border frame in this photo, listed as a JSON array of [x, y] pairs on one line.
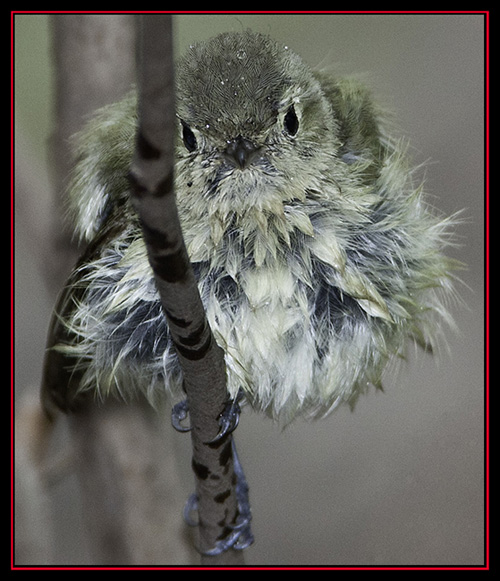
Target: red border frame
[[486, 13]]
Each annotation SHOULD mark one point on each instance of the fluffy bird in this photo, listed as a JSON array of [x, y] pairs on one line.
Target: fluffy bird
[[316, 254]]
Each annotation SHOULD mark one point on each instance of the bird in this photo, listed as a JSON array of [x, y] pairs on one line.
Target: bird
[[317, 254]]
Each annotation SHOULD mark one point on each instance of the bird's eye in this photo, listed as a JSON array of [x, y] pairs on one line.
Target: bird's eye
[[291, 122], [188, 137]]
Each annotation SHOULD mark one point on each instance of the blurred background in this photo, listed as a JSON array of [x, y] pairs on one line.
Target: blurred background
[[399, 481]]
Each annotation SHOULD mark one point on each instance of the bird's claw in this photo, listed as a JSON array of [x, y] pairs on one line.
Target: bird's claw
[[179, 414], [240, 536], [228, 419]]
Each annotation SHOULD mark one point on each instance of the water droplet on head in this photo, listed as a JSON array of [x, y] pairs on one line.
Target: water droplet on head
[[241, 54]]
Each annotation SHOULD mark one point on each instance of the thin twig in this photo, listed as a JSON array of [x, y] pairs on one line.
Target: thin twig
[[201, 359]]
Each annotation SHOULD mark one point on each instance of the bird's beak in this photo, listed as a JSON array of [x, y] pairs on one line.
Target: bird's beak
[[240, 152]]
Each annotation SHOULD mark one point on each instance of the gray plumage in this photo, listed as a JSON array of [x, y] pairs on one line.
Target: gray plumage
[[316, 254]]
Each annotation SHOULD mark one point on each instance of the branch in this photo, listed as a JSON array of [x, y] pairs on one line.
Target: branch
[[201, 359]]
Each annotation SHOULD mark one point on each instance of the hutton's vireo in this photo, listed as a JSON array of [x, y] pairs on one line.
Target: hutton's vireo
[[316, 254]]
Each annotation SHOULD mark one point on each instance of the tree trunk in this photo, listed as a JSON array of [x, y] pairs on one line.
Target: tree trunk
[[131, 496]]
